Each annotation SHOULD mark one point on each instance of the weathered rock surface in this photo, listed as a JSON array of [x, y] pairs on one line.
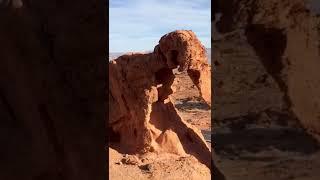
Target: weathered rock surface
[[52, 83], [263, 56], [285, 36], [142, 117], [190, 55]]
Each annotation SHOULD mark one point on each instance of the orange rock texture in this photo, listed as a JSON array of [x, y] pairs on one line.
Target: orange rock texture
[[285, 35], [142, 117]]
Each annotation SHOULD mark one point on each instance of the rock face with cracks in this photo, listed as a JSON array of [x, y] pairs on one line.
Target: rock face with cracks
[[141, 116], [285, 35]]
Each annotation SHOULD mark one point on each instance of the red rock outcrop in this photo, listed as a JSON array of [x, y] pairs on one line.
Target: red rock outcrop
[[141, 115], [285, 35], [190, 55], [52, 83]]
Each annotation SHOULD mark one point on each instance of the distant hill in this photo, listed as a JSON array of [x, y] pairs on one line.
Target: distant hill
[[113, 55]]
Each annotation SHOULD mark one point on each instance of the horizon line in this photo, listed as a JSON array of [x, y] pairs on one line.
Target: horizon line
[[142, 51]]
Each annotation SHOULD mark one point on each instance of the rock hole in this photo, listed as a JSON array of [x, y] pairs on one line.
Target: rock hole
[[270, 44], [164, 79], [163, 75], [174, 57]]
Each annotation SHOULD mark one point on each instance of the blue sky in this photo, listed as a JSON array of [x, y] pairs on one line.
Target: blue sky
[[137, 25]]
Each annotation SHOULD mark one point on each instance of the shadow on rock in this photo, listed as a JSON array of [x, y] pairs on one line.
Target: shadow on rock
[[261, 139], [187, 104]]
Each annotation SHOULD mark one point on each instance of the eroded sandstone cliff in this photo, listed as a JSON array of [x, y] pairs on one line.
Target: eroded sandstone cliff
[[285, 36]]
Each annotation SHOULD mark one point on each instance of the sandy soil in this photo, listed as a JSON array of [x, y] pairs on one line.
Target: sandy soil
[[246, 150], [191, 107], [169, 166]]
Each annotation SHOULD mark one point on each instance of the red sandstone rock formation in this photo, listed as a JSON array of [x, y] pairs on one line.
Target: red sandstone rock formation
[[52, 83], [141, 115], [285, 35], [185, 50]]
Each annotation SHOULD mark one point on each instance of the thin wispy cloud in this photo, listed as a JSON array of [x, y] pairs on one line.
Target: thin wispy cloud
[[137, 25]]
